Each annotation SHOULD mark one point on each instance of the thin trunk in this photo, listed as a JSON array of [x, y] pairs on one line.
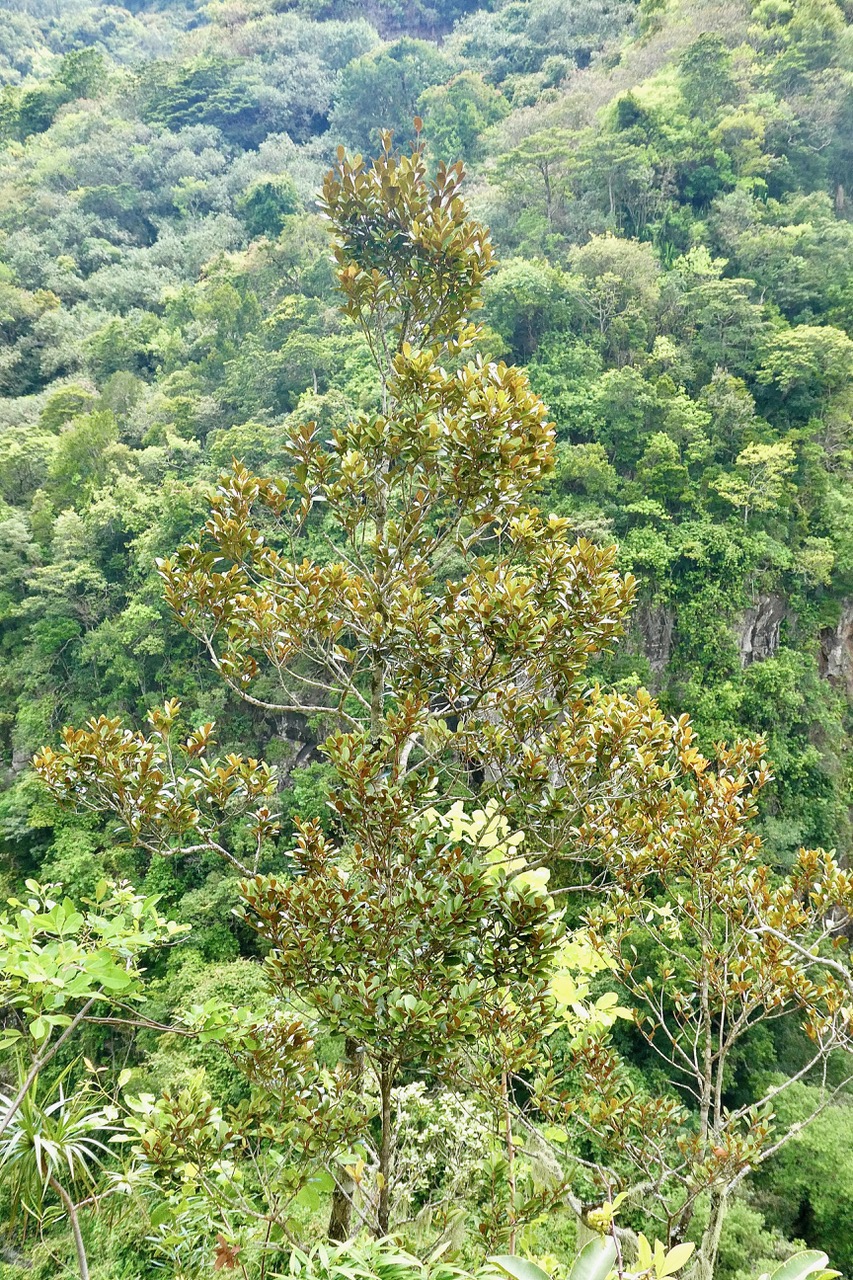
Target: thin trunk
[[377, 664], [340, 1218], [377, 698], [706, 1259], [547, 180], [82, 1260], [707, 1064], [706, 1091], [386, 1080], [722, 1056], [510, 1160]]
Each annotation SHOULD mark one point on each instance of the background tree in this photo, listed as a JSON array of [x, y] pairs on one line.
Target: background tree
[[706, 75], [758, 484], [711, 949], [382, 89], [458, 113]]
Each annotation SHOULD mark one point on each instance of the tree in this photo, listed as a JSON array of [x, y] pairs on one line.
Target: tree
[[432, 633], [25, 459], [706, 76], [620, 175], [812, 1176], [457, 114], [661, 472], [381, 90], [808, 364], [759, 481], [444, 645], [725, 328], [83, 72], [711, 946], [126, 344], [505, 44], [266, 204], [80, 460], [80, 74], [524, 301], [540, 162], [616, 284], [206, 90], [574, 30], [68, 402]]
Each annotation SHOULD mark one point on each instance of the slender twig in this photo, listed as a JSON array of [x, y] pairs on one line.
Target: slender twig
[[42, 1062]]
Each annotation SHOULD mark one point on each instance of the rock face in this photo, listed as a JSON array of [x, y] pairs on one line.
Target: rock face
[[757, 633], [758, 630], [836, 650], [302, 747], [655, 624]]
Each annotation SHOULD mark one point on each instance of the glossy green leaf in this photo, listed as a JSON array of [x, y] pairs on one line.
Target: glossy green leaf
[[802, 1264], [595, 1260], [518, 1268]]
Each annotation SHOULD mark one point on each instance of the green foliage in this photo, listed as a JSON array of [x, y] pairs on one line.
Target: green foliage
[[382, 90], [208, 90], [808, 1181], [57, 958], [670, 195], [706, 75], [457, 114], [265, 206], [80, 74]]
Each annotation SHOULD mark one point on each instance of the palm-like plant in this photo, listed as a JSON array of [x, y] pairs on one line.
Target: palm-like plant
[[52, 1146]]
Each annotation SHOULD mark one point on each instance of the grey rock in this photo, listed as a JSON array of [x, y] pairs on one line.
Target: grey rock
[[758, 630], [836, 650], [655, 623]]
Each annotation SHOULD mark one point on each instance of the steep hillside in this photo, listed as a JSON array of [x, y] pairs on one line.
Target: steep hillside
[[669, 185]]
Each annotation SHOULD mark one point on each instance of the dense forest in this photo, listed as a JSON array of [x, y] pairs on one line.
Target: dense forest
[[426, 618]]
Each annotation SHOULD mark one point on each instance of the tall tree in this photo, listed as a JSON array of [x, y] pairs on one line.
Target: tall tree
[[442, 637]]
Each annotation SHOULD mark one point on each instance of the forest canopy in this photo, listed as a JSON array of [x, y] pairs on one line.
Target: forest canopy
[[426, 607]]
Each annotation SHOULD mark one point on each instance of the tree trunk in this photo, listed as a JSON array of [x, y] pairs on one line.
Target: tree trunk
[[510, 1159], [340, 1218], [386, 1079], [82, 1260], [706, 1258]]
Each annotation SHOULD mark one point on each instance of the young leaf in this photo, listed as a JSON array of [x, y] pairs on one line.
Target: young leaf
[[676, 1258]]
